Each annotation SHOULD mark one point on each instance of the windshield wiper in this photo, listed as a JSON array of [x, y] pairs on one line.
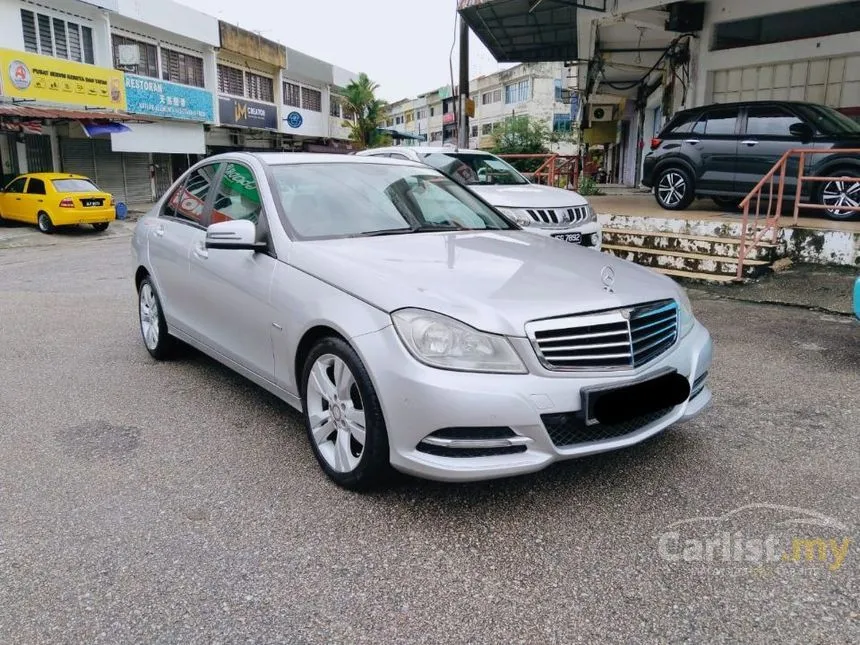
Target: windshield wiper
[[385, 231], [437, 226]]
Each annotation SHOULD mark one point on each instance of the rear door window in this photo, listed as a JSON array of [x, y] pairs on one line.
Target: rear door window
[[17, 186], [770, 121], [188, 201], [719, 122], [682, 123], [36, 187]]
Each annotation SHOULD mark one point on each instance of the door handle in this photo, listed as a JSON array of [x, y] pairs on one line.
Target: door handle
[[750, 143], [200, 250], [692, 142], [159, 231]]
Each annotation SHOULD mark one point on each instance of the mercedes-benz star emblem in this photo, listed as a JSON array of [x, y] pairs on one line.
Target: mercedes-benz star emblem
[[607, 275]]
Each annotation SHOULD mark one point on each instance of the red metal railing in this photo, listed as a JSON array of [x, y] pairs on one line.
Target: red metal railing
[[773, 214], [556, 170]]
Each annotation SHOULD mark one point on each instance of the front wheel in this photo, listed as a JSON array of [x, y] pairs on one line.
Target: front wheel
[[153, 327], [45, 224], [343, 416], [675, 189], [101, 226], [837, 195]]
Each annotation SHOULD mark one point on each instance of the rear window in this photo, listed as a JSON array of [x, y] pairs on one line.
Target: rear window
[[75, 186]]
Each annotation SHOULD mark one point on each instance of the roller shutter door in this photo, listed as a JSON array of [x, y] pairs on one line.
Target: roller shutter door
[[138, 188], [76, 156], [109, 172], [38, 153], [829, 81]]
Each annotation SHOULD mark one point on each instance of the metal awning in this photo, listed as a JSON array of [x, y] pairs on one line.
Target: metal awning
[[527, 31], [397, 134], [31, 112]]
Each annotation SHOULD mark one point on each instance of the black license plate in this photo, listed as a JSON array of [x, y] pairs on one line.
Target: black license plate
[[610, 405], [92, 202], [574, 238]]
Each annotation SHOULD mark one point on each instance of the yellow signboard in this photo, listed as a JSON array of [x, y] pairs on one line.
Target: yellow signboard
[[54, 80]]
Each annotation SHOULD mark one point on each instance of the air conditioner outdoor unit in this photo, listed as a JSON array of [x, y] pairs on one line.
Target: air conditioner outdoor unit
[[601, 113], [128, 55]]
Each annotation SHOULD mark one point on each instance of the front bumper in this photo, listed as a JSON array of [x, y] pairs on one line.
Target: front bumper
[[418, 401], [592, 235]]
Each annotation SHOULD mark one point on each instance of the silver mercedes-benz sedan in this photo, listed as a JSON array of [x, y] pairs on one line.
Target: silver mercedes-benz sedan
[[414, 325]]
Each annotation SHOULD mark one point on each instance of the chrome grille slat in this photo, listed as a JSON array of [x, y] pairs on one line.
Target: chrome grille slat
[[644, 332], [557, 217]]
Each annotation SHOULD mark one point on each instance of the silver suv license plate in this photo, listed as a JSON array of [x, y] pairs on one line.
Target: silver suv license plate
[[575, 238]]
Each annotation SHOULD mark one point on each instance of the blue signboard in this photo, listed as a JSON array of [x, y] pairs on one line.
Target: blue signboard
[[170, 100], [294, 120]]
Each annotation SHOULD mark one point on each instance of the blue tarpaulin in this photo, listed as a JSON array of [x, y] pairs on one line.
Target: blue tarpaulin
[[95, 128]]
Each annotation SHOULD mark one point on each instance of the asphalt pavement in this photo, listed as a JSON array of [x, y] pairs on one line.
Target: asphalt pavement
[[145, 502]]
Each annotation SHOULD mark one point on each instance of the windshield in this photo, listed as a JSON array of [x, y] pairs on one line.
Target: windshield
[[344, 199], [828, 121], [472, 169], [74, 186]]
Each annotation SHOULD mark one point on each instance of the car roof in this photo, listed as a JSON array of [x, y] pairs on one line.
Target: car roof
[[427, 150], [746, 104], [53, 175], [292, 158]]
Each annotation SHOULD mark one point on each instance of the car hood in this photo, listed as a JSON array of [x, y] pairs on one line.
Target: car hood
[[528, 196], [494, 281]]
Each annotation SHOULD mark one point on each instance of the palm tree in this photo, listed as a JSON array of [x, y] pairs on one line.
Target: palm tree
[[365, 112]]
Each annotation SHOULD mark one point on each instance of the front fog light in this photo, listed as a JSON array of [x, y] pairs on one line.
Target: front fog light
[[439, 341]]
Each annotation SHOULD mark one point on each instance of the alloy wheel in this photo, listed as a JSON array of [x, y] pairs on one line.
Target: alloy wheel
[[841, 193], [149, 316], [672, 188], [336, 413]]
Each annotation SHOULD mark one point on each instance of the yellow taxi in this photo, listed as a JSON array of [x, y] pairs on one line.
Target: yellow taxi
[[51, 199]]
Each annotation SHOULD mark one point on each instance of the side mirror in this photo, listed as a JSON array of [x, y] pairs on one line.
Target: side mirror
[[802, 131], [236, 234]]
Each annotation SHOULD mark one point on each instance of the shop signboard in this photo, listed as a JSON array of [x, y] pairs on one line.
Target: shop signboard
[[154, 97], [247, 114], [54, 80]]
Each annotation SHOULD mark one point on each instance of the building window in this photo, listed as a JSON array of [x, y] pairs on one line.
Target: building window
[[57, 37], [561, 123], [494, 96], [334, 106], [231, 81], [486, 129], [517, 92], [179, 67], [421, 114], [292, 95], [474, 131], [147, 55], [261, 88], [432, 111], [784, 26], [311, 99], [436, 136]]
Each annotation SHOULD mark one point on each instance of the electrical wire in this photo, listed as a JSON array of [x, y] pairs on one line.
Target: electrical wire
[[629, 85]]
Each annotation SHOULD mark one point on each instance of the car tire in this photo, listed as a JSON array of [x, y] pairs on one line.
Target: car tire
[[840, 193], [732, 204], [341, 410], [674, 189], [43, 221], [101, 226], [153, 327]]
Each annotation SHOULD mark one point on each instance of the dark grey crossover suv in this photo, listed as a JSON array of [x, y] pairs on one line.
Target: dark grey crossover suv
[[722, 151]]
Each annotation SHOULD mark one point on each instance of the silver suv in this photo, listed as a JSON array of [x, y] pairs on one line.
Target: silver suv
[[544, 210]]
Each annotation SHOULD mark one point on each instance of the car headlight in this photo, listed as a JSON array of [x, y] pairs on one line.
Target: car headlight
[[688, 321], [592, 214], [440, 341], [519, 218]]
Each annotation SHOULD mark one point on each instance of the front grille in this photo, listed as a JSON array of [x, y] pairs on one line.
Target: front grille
[[558, 217], [569, 429], [611, 340]]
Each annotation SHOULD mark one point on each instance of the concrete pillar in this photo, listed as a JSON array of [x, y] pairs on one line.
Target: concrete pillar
[[21, 151], [56, 161], [210, 77], [102, 48]]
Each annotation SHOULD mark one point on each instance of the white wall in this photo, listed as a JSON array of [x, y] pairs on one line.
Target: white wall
[[165, 137], [173, 17], [728, 10], [11, 36]]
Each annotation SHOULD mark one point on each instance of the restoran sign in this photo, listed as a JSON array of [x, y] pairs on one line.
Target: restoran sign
[[170, 100], [53, 80]]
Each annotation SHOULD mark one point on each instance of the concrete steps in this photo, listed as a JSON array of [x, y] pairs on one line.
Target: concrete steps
[[694, 253]]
